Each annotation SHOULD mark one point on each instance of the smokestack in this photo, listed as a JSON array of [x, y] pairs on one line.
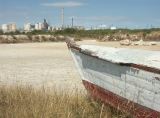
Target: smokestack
[[72, 22], [62, 17]]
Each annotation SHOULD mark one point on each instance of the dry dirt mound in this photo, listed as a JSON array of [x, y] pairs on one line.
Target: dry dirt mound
[[30, 38]]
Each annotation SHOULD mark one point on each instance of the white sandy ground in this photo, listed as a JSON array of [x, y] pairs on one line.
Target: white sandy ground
[[44, 64], [38, 65]]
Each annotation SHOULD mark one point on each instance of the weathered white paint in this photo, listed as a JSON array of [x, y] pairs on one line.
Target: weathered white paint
[[134, 84], [123, 55]]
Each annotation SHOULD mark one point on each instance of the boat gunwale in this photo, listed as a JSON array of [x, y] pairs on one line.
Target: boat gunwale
[[72, 44]]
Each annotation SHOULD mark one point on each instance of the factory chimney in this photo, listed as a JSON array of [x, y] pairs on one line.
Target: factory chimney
[[62, 17], [72, 22]]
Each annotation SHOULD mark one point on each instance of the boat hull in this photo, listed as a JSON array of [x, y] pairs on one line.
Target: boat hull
[[129, 89], [126, 85], [118, 102]]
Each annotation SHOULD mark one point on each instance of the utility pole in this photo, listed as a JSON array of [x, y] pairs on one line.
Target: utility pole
[[62, 17], [72, 22]]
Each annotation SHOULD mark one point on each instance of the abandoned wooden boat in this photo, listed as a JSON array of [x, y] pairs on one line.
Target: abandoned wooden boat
[[126, 79]]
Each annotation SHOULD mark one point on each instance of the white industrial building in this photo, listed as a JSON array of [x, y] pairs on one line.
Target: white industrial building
[[113, 28], [102, 26], [11, 27], [38, 26], [4, 27], [28, 27]]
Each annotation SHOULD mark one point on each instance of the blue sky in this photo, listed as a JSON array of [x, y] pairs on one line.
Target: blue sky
[[121, 13]]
